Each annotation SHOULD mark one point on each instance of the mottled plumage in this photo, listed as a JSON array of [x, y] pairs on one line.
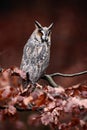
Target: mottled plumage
[[36, 52]]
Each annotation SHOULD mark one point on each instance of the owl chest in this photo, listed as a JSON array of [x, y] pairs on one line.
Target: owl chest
[[40, 54]]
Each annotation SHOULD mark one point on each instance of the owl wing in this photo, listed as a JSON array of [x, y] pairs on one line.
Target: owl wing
[[40, 61], [27, 56]]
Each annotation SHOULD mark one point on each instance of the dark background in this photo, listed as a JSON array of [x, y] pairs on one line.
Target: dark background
[[69, 34]]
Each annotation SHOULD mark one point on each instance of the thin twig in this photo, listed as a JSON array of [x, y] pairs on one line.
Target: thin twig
[[68, 75], [49, 77]]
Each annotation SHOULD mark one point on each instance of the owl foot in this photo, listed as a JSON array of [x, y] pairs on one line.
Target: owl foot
[[32, 88]]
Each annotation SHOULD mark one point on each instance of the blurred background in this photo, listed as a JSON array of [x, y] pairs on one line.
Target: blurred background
[[69, 34]]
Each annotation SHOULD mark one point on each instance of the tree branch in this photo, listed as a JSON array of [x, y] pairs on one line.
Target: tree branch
[[68, 75], [50, 80]]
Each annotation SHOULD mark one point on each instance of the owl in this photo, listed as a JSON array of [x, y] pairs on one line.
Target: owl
[[36, 52]]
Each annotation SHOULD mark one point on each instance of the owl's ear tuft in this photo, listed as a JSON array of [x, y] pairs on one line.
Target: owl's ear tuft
[[38, 25], [50, 27]]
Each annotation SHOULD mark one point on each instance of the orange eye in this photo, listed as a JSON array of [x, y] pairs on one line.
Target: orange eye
[[40, 33]]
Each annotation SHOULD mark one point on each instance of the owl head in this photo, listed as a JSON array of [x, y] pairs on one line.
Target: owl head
[[43, 34]]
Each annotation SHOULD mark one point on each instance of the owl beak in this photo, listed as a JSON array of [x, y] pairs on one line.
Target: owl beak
[[44, 40]]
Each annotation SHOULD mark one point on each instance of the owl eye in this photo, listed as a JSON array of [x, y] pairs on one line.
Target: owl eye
[[40, 33], [49, 33]]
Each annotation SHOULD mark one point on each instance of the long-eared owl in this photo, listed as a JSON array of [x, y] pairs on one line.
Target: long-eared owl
[[36, 52]]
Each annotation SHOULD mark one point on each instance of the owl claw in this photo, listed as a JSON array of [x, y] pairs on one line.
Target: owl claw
[[32, 88]]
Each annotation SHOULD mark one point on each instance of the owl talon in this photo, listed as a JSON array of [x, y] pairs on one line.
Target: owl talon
[[32, 88]]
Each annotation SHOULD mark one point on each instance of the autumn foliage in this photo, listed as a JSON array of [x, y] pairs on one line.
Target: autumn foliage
[[61, 109]]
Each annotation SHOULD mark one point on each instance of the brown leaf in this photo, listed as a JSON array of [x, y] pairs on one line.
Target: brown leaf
[[41, 100], [11, 110], [47, 118]]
